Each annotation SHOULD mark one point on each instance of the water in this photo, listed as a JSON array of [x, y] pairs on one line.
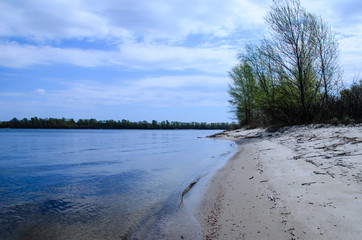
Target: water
[[98, 184]]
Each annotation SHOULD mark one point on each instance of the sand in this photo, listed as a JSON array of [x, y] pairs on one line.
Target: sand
[[295, 183]]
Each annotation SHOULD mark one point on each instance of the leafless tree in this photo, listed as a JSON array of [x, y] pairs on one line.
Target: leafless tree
[[327, 63]]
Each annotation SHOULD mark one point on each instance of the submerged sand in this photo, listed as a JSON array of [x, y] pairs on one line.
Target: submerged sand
[[289, 183]]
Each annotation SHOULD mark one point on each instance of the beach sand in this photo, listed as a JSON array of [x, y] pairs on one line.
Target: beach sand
[[289, 183]]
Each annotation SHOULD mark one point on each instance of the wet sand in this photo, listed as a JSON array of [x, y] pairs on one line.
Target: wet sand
[[295, 183]]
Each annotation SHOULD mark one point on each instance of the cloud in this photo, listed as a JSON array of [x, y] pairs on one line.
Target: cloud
[[346, 21], [160, 91], [351, 56], [124, 19], [180, 81], [17, 55], [130, 56], [148, 35], [207, 59], [348, 11], [40, 91], [44, 20]]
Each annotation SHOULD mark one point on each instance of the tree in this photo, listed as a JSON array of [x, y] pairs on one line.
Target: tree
[[328, 66], [293, 34], [64, 123], [267, 75], [296, 68], [351, 102], [243, 91]]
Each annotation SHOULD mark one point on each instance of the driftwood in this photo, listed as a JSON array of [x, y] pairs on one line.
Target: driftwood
[[217, 134], [308, 183], [189, 187]]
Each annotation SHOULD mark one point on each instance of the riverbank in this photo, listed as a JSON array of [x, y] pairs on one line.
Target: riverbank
[[289, 183]]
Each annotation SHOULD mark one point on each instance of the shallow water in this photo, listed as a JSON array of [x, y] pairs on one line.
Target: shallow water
[[98, 184]]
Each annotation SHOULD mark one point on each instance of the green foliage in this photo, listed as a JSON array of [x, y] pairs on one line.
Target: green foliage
[[244, 92], [53, 123], [289, 76]]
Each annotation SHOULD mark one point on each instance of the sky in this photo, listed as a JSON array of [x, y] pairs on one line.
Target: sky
[[140, 59]]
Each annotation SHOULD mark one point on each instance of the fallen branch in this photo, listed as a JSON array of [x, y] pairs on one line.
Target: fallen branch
[[330, 174], [308, 183], [191, 185]]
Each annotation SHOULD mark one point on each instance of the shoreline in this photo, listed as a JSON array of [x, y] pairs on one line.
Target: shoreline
[[295, 183], [180, 222]]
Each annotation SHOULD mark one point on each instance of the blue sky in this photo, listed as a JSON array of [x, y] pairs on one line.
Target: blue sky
[[139, 59]]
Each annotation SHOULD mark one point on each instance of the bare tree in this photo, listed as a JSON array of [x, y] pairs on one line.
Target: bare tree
[[328, 65]]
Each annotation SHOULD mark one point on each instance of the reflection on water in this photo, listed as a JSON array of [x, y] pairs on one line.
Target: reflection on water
[[97, 184]]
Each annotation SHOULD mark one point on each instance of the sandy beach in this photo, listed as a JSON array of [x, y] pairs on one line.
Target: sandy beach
[[289, 183]]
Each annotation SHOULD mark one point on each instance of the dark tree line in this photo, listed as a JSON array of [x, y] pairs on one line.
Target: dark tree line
[[63, 123], [293, 75], [345, 107]]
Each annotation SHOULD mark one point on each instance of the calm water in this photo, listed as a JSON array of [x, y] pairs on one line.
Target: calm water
[[98, 184]]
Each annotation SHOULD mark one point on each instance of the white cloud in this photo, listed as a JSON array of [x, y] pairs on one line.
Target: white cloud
[[17, 55], [44, 20], [132, 56], [151, 34], [346, 21], [180, 81], [60, 19], [209, 59], [161, 91], [351, 56], [40, 91]]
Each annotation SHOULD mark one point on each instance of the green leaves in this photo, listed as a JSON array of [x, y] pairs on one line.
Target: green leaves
[[288, 76]]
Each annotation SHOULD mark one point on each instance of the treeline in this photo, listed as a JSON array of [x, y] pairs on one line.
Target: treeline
[[293, 76], [63, 123], [345, 107]]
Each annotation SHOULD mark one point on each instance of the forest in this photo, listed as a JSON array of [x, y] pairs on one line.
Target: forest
[[293, 75], [63, 123]]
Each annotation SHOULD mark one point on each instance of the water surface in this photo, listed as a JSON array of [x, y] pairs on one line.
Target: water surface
[[98, 184]]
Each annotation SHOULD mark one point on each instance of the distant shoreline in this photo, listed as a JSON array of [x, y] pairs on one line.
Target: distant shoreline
[[147, 129], [63, 123], [291, 183]]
